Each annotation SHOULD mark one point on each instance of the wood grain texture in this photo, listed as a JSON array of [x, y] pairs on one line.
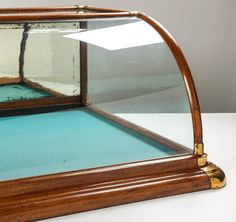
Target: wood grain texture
[[61, 194], [9, 80], [39, 102], [39, 9], [101, 174], [45, 16], [58, 9], [21, 107]]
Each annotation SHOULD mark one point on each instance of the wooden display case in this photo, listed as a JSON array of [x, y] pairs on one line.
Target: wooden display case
[[84, 156]]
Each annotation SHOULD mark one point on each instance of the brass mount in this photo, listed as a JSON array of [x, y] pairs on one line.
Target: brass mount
[[87, 101], [216, 175], [199, 152]]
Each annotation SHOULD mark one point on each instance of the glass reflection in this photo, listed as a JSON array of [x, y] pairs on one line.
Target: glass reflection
[[138, 82], [36, 61]]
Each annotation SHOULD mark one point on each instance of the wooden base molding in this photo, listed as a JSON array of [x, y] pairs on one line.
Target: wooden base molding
[[60, 194]]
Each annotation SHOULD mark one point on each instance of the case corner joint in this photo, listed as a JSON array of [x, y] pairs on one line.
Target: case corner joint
[[216, 175]]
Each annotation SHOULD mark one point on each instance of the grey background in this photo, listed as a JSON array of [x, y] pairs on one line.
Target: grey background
[[205, 30]]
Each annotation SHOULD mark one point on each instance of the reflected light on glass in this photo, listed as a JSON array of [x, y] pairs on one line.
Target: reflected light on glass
[[120, 37], [46, 31]]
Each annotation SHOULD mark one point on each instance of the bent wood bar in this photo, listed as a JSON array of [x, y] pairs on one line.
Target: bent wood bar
[[70, 130]]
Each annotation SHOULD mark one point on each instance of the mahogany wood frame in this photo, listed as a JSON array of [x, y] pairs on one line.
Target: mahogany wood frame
[[60, 194], [70, 192]]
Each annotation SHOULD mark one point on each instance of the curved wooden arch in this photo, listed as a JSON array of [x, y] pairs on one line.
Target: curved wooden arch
[[185, 71], [35, 14]]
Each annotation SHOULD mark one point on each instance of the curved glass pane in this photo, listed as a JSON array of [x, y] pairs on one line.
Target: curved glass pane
[[133, 74]]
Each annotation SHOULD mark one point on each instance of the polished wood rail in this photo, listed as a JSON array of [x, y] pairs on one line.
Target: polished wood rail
[[48, 196], [74, 8]]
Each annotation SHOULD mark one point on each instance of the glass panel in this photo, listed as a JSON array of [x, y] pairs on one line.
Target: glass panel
[[36, 61], [10, 40], [133, 74], [51, 60]]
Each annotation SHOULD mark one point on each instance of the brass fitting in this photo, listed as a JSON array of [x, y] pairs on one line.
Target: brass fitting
[[202, 160], [87, 99], [215, 174], [199, 152], [199, 149]]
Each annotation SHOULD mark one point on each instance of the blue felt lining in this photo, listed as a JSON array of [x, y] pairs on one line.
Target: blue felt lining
[[56, 142], [13, 92]]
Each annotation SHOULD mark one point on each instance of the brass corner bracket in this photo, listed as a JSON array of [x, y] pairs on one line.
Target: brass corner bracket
[[216, 175]]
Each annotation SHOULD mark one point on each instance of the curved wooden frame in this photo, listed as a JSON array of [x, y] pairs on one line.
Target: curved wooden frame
[[184, 70], [70, 192]]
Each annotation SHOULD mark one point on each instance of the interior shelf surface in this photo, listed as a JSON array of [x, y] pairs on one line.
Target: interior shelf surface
[[40, 144], [11, 92]]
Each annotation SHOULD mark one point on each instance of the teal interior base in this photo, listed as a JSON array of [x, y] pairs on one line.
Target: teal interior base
[[13, 92], [56, 142]]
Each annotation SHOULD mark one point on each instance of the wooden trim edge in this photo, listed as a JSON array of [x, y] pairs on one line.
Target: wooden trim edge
[[9, 80], [66, 200], [22, 107], [41, 87], [143, 131], [57, 9]]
